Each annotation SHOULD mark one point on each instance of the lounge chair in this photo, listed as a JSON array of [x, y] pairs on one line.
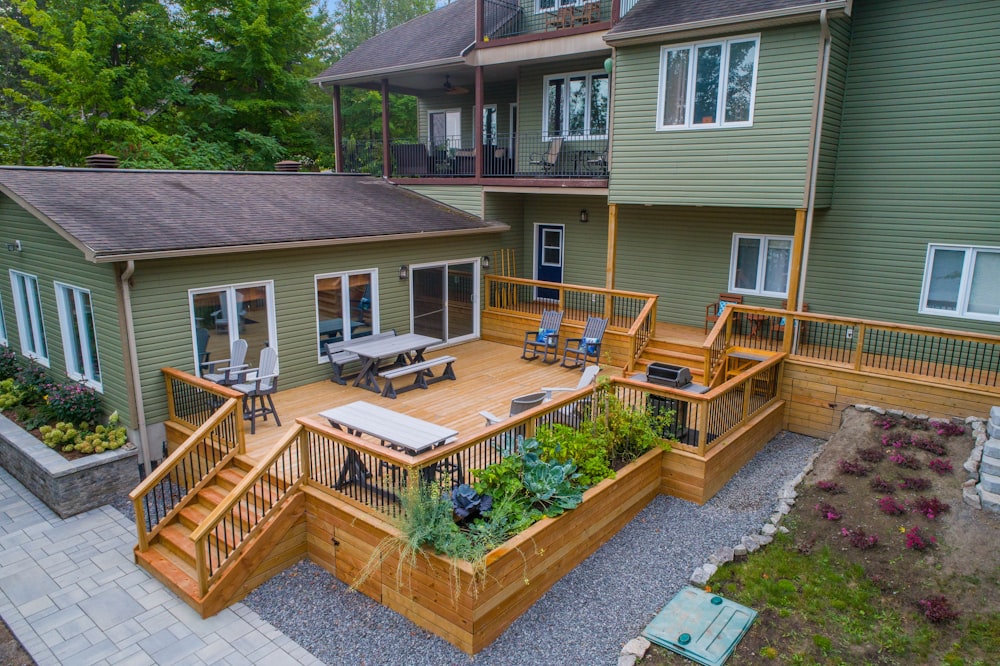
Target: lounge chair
[[257, 385], [548, 159], [587, 347], [225, 371], [517, 405], [588, 378], [545, 338]]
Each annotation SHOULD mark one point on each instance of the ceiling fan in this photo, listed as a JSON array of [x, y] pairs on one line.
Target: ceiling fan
[[451, 89]]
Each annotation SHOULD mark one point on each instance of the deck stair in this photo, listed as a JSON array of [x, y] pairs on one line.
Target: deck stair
[[673, 352], [171, 556]]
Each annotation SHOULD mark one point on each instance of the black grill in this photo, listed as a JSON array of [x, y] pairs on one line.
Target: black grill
[[673, 376]]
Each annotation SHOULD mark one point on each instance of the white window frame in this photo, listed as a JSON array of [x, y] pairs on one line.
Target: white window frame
[[546, 134], [454, 141], [232, 303], [965, 286], [3, 327], [91, 375], [720, 106], [556, 4], [345, 291], [30, 324], [758, 290]]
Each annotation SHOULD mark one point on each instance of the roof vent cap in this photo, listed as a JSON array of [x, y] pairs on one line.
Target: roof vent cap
[[102, 161], [286, 165]]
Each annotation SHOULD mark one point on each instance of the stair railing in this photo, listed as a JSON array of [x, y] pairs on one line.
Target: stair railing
[[162, 494], [641, 332], [224, 533], [715, 346]]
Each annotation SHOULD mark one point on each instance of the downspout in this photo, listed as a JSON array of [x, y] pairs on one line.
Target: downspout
[[133, 358], [814, 157]]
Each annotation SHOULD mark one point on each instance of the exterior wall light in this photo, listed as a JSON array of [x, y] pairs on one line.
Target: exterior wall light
[[485, 263], [14, 246], [404, 272], [584, 216]]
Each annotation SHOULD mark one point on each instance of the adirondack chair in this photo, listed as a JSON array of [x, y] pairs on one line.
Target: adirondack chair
[[517, 405], [545, 338], [201, 338], [225, 371], [588, 346], [714, 310], [257, 385]]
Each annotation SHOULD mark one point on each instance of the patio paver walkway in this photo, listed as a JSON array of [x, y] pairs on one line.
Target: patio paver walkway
[[72, 594]]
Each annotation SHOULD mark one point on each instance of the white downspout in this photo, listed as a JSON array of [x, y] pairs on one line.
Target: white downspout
[[133, 357], [814, 158]]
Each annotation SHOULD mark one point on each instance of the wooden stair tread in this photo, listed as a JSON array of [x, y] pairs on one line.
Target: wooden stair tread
[[231, 476], [170, 569], [177, 538]]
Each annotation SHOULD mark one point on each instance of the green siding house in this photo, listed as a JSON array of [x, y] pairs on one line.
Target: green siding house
[[112, 275], [834, 155]]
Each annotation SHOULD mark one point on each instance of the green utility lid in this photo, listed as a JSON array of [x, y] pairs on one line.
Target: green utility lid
[[701, 626]]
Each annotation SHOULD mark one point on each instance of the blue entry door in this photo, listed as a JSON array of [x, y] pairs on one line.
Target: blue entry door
[[548, 258]]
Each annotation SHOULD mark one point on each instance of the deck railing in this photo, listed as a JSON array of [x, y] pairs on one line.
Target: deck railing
[[221, 536], [870, 346], [623, 309], [362, 156], [191, 401], [506, 18]]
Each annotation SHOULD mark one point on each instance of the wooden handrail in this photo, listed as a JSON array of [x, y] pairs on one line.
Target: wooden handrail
[[566, 285], [204, 384], [649, 309]]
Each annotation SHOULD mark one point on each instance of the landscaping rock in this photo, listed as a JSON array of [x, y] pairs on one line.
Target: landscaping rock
[[722, 555], [971, 497], [897, 412], [877, 410], [768, 529], [784, 507], [750, 544], [709, 569], [636, 647], [862, 408], [776, 517], [626, 660], [972, 468], [739, 551], [699, 577], [764, 539], [783, 529]]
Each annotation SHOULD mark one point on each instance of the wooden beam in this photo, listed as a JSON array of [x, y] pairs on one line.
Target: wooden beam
[[477, 121], [338, 132], [795, 271], [386, 137], [609, 279]]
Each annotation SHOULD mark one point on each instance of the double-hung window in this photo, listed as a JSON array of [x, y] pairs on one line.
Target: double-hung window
[[710, 84], [759, 265], [76, 319], [962, 281], [346, 307], [576, 105], [28, 310]]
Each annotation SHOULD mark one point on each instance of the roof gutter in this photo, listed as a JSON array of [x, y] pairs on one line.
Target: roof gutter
[[133, 362], [358, 77], [816, 140], [99, 258], [643, 35]]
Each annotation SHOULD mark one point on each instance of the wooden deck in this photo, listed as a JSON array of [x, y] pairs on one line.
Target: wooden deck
[[489, 375]]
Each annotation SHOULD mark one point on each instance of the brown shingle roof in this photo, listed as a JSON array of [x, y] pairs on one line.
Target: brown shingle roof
[[676, 14], [114, 214], [441, 34]]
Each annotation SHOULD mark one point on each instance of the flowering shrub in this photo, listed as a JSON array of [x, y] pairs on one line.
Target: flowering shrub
[[929, 444], [872, 454], [33, 382], [8, 364], [853, 468], [76, 403], [890, 506], [940, 466], [903, 460], [886, 422], [947, 428], [831, 487], [915, 424], [937, 609], [916, 541], [914, 483], [859, 539], [828, 511], [880, 485], [896, 440], [931, 508]]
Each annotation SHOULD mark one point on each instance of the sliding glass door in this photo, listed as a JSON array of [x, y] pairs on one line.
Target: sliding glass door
[[444, 300]]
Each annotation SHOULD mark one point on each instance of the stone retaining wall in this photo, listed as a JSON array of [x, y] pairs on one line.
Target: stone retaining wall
[[68, 487]]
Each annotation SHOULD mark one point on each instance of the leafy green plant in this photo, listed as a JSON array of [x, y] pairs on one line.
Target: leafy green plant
[[561, 443], [469, 504], [8, 364], [34, 383], [74, 402], [627, 432], [68, 437], [10, 394]]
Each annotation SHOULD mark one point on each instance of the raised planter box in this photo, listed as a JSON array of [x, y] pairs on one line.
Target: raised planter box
[[68, 487], [466, 614]]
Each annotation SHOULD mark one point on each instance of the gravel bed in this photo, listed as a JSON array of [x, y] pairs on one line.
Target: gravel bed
[[585, 618]]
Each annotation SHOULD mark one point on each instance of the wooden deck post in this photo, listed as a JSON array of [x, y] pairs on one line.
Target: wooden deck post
[[859, 346], [477, 122], [305, 468], [609, 275], [795, 270], [386, 138], [338, 132]]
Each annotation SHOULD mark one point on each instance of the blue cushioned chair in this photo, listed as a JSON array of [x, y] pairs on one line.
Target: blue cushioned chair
[[545, 338]]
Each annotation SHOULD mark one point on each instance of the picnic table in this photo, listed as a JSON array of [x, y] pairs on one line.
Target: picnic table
[[408, 349], [400, 431], [331, 329]]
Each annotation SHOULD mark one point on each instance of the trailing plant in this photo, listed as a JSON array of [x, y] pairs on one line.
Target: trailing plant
[[880, 485], [8, 364], [937, 609], [853, 468], [75, 402], [940, 466], [915, 540], [859, 539], [831, 487], [561, 443], [828, 511], [903, 460], [931, 508], [914, 483], [890, 506], [871, 454]]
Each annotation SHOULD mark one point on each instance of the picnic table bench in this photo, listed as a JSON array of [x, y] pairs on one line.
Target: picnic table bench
[[340, 357], [423, 373]]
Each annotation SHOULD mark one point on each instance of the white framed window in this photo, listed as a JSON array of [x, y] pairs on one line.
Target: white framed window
[[28, 312], [444, 128], [222, 314], [346, 307], [708, 84], [961, 281], [79, 336], [759, 265], [576, 105]]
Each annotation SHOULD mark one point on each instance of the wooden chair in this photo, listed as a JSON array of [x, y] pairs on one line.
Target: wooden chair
[[778, 329], [591, 12], [564, 18], [257, 386], [548, 159], [714, 310], [545, 338], [226, 371], [587, 347]]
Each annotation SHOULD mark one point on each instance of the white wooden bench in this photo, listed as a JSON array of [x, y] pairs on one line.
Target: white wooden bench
[[421, 370], [340, 357]]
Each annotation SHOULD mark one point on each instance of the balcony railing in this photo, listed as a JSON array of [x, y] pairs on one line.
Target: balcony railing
[[504, 156], [507, 18]]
